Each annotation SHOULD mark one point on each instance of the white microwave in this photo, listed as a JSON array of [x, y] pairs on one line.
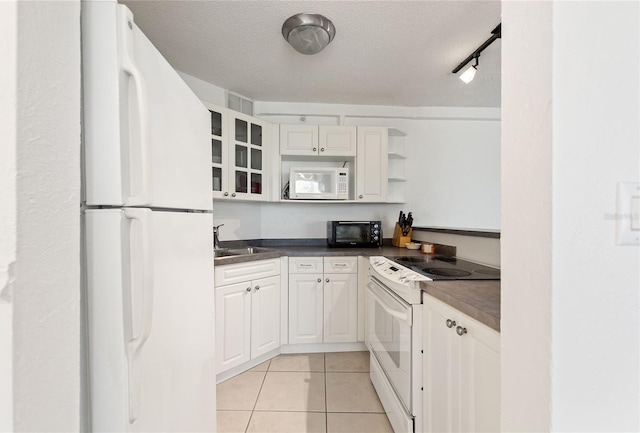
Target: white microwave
[[318, 183]]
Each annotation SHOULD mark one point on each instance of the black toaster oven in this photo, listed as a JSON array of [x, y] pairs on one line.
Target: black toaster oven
[[354, 233]]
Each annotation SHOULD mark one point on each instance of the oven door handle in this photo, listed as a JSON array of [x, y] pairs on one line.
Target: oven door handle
[[404, 316]]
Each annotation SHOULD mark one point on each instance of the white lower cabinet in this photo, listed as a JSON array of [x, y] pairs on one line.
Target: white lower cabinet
[[323, 300], [340, 308], [461, 373], [247, 312], [305, 308]]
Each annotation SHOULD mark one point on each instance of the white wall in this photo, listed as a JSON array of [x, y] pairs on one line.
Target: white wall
[[205, 91], [570, 322], [526, 216], [474, 248], [241, 220], [8, 48], [303, 220], [595, 131], [46, 286]]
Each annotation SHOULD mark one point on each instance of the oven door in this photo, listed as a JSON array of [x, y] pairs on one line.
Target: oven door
[[389, 321]]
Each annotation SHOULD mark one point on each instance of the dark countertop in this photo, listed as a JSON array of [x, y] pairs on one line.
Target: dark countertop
[[477, 299], [315, 251], [367, 252]]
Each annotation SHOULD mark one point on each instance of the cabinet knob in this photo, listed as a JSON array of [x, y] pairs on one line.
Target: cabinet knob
[[360, 196], [451, 323], [460, 330], [257, 287], [315, 149], [319, 280], [233, 195], [249, 289], [327, 280], [226, 194], [322, 149]]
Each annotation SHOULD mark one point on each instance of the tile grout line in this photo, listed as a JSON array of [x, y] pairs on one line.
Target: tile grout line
[[326, 398], [257, 397]]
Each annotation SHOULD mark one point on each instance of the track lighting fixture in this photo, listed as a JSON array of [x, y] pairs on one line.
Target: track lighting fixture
[[470, 72]]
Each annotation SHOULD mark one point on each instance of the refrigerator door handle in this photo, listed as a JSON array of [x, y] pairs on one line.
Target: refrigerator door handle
[[143, 288], [143, 197]]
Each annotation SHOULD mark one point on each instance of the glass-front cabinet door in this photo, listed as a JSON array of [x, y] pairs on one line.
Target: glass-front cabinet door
[[219, 157], [219, 150], [238, 158], [247, 139]]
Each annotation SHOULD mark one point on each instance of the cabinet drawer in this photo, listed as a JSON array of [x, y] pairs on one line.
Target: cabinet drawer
[[238, 272], [305, 265], [341, 265]]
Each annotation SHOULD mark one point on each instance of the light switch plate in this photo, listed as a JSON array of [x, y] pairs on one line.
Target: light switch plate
[[628, 213], [635, 213]]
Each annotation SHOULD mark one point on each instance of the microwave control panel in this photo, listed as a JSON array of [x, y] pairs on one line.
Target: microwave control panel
[[343, 185]]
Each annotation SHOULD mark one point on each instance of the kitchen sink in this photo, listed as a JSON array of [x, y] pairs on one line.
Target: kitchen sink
[[232, 252], [249, 250]]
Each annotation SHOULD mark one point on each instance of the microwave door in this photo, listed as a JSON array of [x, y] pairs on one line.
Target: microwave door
[[313, 185]]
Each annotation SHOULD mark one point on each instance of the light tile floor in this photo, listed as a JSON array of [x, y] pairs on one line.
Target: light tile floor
[[315, 393]]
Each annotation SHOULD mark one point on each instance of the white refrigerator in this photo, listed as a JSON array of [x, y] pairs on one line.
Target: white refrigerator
[[148, 234]]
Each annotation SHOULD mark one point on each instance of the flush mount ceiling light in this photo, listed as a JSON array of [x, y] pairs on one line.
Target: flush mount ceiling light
[[308, 33], [470, 72]]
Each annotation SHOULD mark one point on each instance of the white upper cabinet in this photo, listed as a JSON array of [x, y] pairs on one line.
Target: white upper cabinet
[[371, 164], [219, 150], [247, 156], [337, 140], [239, 161], [323, 140], [298, 139]]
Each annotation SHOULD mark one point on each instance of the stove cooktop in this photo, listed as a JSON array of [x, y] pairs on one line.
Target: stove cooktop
[[438, 267]]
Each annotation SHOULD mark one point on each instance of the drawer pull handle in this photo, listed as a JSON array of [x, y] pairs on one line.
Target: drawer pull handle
[[461, 331], [451, 323], [319, 280], [249, 289], [257, 287]]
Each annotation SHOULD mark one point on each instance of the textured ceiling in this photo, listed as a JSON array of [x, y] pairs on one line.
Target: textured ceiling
[[384, 53]]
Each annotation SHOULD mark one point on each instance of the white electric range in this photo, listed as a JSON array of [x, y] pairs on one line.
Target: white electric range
[[394, 338]]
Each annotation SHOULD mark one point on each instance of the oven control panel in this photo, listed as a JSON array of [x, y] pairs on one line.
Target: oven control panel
[[403, 282], [395, 272]]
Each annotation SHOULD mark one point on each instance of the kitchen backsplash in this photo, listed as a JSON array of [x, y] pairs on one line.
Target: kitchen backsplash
[[476, 249]]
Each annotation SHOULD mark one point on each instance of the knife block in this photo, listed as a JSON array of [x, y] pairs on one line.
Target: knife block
[[399, 240]]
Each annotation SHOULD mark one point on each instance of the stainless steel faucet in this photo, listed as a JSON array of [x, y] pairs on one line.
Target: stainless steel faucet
[[216, 240]]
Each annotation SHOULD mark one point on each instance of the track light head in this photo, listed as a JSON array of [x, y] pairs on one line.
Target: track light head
[[469, 73]]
